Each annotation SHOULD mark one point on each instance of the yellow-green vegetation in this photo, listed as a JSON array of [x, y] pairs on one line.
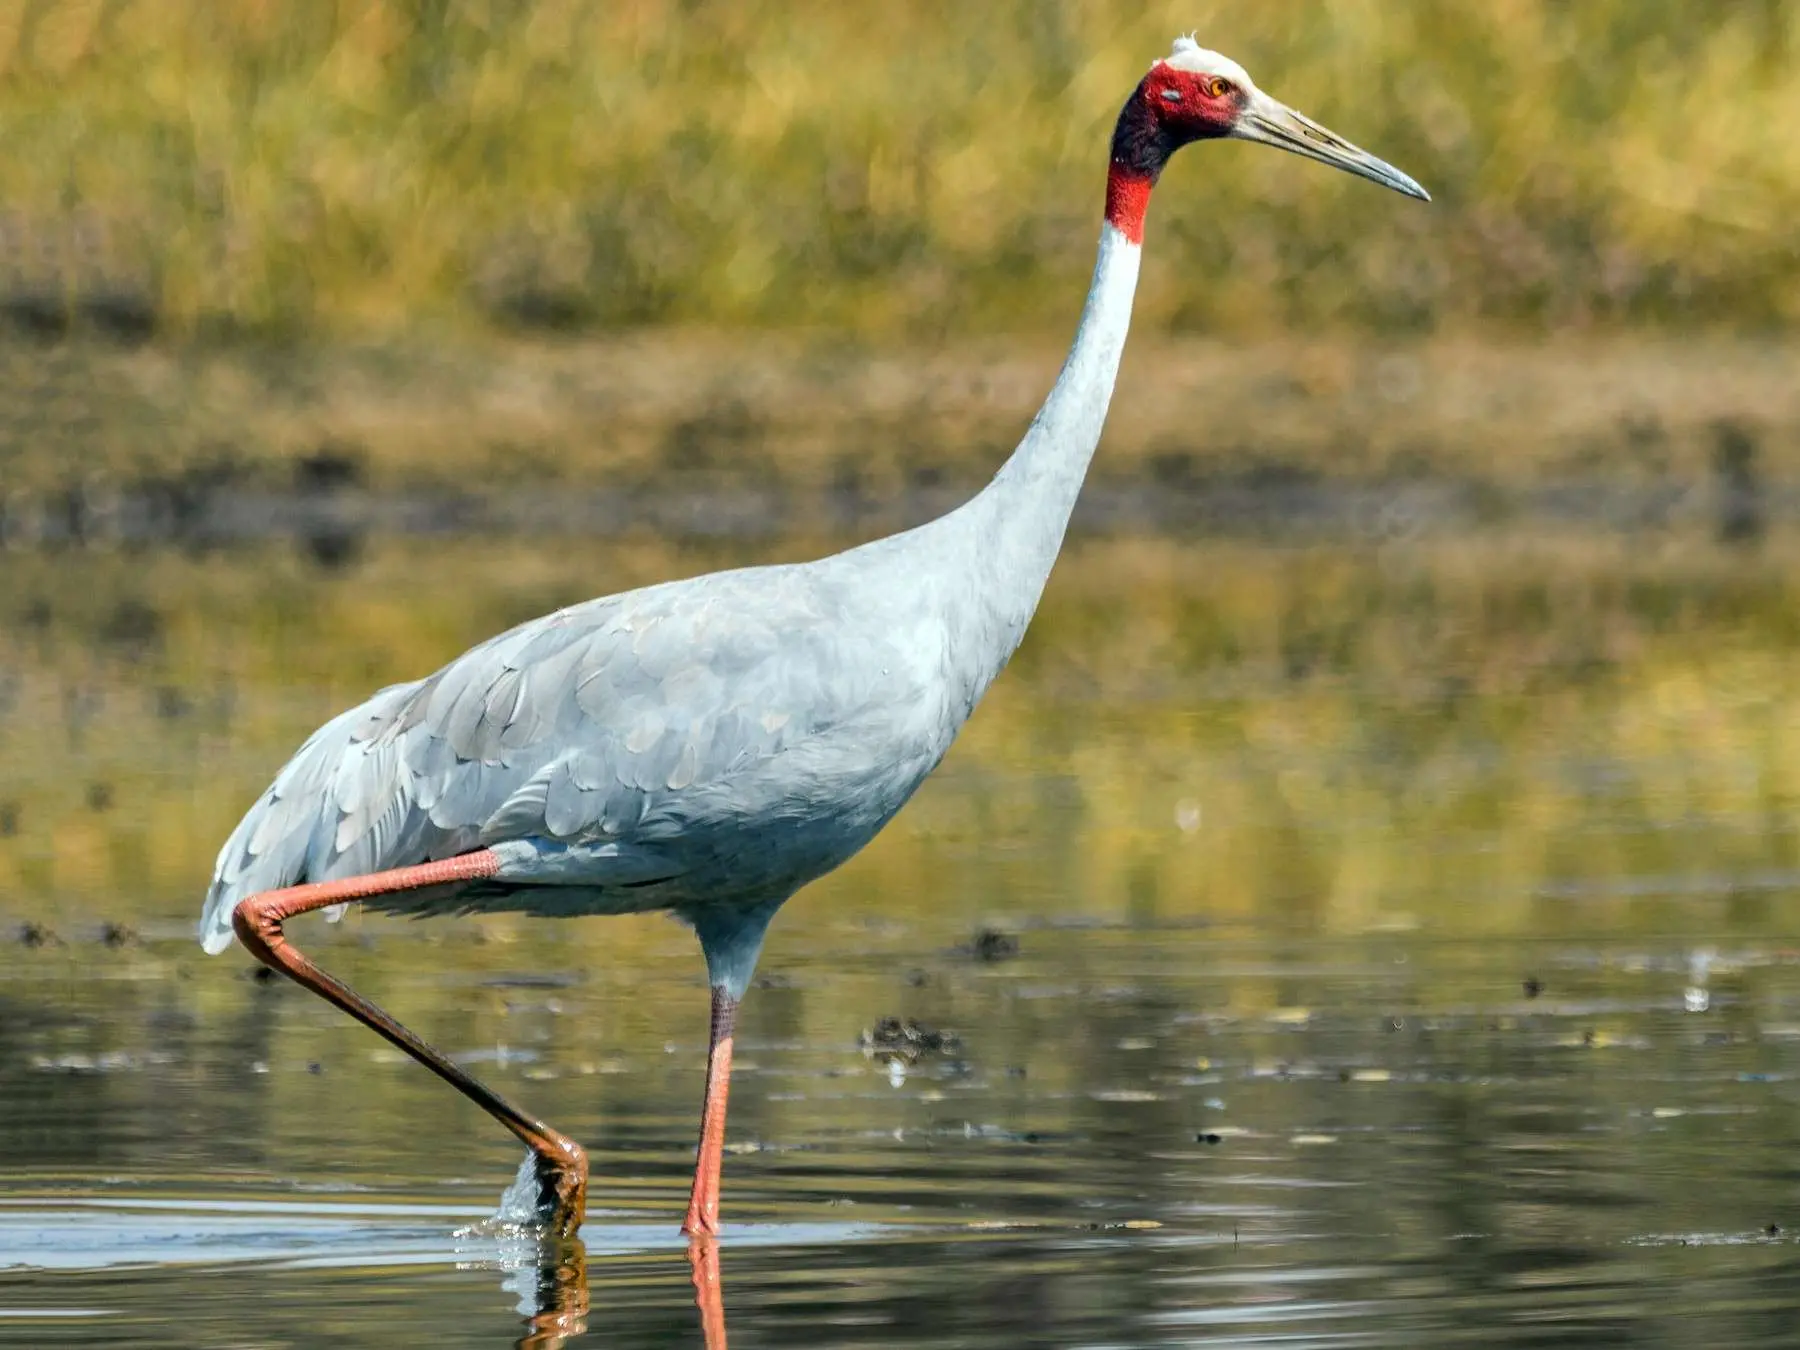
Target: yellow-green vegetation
[[366, 165], [1460, 734]]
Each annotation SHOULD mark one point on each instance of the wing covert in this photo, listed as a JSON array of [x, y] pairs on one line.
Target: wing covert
[[577, 726]]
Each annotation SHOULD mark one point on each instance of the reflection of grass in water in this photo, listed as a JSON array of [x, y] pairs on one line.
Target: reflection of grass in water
[[561, 163], [1356, 739], [1350, 737]]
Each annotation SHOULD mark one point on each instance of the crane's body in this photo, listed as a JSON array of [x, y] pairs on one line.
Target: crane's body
[[708, 746], [705, 746]]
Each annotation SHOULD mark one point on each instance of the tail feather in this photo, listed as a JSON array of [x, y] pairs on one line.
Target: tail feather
[[290, 834]]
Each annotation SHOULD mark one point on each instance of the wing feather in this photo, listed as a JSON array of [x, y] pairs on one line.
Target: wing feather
[[567, 805], [591, 723]]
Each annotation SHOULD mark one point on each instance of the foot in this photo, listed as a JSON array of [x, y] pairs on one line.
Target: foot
[[562, 1175]]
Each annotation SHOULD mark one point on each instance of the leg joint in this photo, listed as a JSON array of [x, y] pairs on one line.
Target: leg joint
[[257, 924]]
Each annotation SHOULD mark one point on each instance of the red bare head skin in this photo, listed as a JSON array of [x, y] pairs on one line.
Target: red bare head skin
[[1169, 109]]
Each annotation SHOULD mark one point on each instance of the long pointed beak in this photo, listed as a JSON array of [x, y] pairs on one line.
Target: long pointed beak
[[1276, 124]]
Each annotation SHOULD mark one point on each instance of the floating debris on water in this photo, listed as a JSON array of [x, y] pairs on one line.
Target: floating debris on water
[[993, 944], [903, 1039], [37, 935]]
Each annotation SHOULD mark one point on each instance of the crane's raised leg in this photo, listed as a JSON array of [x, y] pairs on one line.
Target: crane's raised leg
[[562, 1165]]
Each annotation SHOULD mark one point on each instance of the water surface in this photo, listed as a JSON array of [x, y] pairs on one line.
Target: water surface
[[1396, 947]]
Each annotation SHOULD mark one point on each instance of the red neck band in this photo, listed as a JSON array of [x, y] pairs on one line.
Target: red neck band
[[1127, 198]]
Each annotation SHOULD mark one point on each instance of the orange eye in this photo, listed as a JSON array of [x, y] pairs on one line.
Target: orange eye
[[1217, 88]]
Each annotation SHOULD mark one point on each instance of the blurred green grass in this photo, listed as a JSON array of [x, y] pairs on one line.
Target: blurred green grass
[[230, 166]]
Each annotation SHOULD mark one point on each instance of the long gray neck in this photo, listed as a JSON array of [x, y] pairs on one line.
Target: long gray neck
[[1020, 517]]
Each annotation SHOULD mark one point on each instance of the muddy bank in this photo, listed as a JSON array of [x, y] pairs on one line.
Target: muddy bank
[[713, 436]]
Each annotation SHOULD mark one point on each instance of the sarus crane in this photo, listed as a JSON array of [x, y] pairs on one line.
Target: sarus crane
[[706, 747]]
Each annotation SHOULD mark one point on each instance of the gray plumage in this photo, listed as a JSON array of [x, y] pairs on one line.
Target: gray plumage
[[704, 746]]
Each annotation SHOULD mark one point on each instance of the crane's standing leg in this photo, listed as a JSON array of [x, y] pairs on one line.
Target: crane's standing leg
[[562, 1165], [732, 939], [703, 1205]]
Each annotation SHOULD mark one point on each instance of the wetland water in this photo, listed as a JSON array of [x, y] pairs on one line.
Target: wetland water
[[1405, 955]]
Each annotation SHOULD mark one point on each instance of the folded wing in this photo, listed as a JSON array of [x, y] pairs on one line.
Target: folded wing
[[615, 719]]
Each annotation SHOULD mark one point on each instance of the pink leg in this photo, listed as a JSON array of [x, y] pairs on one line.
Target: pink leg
[[562, 1166], [703, 1206]]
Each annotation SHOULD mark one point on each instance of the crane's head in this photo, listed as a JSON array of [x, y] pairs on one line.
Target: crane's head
[[1194, 95]]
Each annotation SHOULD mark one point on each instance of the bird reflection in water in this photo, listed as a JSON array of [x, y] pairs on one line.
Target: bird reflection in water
[[561, 1295], [703, 1260]]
